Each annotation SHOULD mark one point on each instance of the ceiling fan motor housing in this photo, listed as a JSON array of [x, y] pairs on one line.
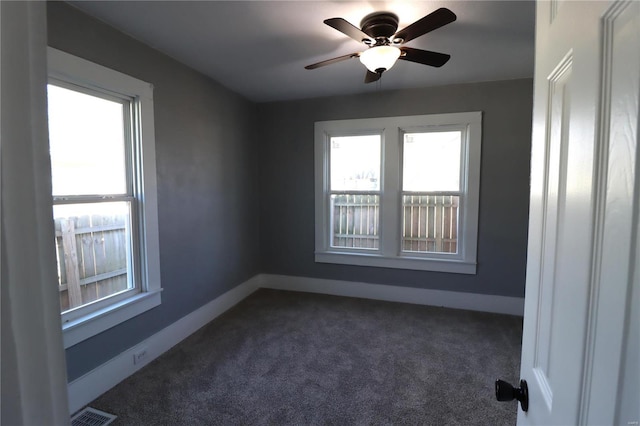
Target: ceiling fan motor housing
[[380, 26], [379, 32]]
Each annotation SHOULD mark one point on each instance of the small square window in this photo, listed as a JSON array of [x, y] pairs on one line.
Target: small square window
[[94, 246], [87, 142], [355, 221], [431, 161], [355, 163]]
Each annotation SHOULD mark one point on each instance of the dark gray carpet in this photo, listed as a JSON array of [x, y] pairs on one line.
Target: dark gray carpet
[[305, 359]]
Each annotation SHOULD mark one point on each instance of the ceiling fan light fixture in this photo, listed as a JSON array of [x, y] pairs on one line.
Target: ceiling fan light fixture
[[380, 58]]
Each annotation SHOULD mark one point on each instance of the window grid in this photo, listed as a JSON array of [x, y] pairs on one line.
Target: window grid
[[354, 197], [136, 190], [431, 226], [355, 219], [430, 222], [98, 250]]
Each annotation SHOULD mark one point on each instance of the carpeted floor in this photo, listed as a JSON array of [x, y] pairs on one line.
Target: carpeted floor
[[306, 359]]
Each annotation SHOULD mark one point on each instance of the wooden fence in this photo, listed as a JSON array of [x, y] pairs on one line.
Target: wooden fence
[[429, 222], [92, 253], [355, 220]]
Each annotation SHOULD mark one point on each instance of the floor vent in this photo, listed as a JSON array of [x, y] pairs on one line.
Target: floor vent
[[92, 417]]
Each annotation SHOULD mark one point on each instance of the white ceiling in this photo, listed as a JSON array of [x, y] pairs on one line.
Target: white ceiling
[[259, 48]]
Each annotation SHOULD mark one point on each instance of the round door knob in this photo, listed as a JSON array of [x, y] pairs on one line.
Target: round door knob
[[506, 392]]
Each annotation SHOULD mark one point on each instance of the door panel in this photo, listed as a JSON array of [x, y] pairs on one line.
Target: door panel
[[582, 221], [559, 93], [616, 219]]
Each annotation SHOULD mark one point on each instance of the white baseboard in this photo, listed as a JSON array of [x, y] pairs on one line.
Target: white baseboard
[[419, 296], [85, 389], [96, 382]]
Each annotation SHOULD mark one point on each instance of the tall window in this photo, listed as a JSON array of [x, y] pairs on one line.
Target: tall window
[[93, 197], [399, 192], [103, 184], [431, 191], [355, 191]]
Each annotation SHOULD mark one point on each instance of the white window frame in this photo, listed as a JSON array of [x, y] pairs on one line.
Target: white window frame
[[109, 312], [392, 129]]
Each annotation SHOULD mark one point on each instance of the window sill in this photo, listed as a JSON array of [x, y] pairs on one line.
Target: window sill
[[96, 322], [400, 262]]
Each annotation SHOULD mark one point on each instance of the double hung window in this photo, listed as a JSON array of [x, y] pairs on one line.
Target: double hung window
[[431, 175], [103, 186], [399, 192], [355, 191]]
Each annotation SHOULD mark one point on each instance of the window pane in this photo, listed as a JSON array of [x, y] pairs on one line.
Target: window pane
[[430, 223], [93, 245], [355, 163], [431, 161], [355, 220], [86, 138]]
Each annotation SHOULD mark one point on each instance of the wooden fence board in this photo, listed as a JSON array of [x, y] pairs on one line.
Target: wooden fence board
[[92, 254], [71, 263], [355, 220], [112, 285], [429, 222], [86, 247], [99, 245]]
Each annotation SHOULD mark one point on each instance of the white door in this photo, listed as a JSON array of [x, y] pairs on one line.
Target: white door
[[583, 263]]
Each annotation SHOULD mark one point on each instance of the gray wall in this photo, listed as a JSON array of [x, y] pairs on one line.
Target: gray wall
[[207, 180], [287, 187], [230, 171]]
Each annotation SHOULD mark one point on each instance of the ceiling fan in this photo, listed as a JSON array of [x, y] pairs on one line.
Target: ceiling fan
[[378, 33]]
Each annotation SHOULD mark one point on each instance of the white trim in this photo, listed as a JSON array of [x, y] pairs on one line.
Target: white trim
[[98, 321], [73, 69], [391, 129], [398, 262], [419, 296], [85, 389], [95, 318], [616, 220], [33, 363], [93, 384]]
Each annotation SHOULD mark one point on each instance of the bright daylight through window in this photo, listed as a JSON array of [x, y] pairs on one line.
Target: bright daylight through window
[[430, 192], [100, 137], [92, 198], [355, 187], [399, 192]]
